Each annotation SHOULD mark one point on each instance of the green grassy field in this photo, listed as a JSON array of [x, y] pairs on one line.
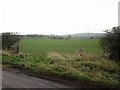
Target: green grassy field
[[60, 58], [44, 45]]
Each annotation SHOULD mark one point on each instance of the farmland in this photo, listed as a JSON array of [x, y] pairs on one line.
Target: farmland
[[60, 58], [44, 45]]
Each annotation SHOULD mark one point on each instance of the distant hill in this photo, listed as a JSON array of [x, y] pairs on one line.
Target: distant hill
[[67, 36], [85, 35]]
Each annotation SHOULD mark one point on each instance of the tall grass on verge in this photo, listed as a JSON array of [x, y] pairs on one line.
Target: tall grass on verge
[[85, 69]]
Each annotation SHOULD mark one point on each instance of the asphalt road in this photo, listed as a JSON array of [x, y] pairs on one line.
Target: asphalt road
[[17, 80]]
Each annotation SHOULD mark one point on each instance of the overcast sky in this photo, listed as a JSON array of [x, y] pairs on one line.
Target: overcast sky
[[57, 16]]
